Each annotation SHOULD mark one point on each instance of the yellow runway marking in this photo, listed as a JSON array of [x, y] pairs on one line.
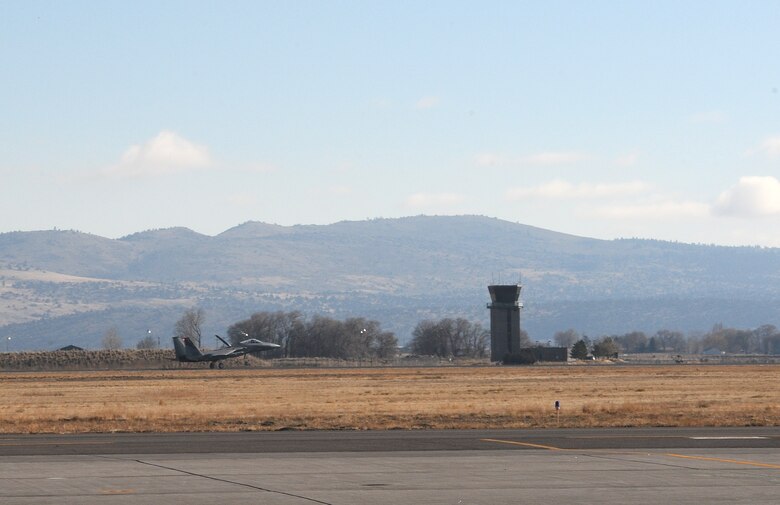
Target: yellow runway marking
[[723, 460], [524, 444], [117, 491], [668, 454]]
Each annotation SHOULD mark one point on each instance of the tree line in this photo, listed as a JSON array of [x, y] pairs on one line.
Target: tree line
[[762, 340], [322, 336], [317, 336], [297, 335], [450, 338], [360, 338]]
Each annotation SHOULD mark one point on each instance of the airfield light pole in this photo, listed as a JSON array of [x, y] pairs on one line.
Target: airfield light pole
[[7, 344]]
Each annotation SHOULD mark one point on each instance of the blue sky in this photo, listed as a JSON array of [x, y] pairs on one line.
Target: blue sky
[[602, 119]]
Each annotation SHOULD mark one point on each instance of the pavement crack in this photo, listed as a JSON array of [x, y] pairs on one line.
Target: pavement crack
[[615, 457], [228, 481]]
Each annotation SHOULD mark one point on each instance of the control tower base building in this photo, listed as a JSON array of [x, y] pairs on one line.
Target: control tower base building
[[504, 320]]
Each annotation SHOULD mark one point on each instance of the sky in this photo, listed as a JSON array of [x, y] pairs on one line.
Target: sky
[[601, 119]]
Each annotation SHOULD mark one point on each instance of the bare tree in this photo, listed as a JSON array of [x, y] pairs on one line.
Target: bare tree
[[386, 345], [190, 324], [450, 337], [111, 340], [320, 336], [148, 342], [566, 338], [427, 339], [768, 338], [525, 339], [275, 327], [606, 348], [672, 340], [635, 341], [476, 338]]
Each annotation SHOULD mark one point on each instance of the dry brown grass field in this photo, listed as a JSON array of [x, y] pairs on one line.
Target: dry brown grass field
[[389, 398]]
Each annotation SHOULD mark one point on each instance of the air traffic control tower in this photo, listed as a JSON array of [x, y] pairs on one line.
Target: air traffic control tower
[[504, 320]]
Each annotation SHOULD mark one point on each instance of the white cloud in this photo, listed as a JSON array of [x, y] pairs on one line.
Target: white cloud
[[554, 158], [166, 153], [427, 102], [429, 200], [627, 160], [771, 146], [655, 210], [560, 189], [753, 196], [257, 168]]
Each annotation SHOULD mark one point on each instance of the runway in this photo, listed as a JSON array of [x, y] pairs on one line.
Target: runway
[[606, 466]]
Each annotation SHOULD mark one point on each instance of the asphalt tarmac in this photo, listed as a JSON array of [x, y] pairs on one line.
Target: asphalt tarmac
[[604, 466]]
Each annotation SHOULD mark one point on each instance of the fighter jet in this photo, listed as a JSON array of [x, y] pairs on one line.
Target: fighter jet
[[187, 351]]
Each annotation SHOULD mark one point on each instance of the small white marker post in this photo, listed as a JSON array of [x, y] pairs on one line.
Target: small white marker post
[[558, 412]]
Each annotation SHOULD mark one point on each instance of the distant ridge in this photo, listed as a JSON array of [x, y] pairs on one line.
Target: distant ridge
[[162, 234], [397, 271], [254, 229]]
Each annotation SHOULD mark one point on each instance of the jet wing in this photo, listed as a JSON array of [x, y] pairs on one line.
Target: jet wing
[[255, 345], [227, 352]]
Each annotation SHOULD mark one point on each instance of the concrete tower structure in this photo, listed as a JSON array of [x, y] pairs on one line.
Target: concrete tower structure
[[504, 320]]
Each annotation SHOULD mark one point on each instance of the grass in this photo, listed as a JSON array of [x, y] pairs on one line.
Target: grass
[[134, 359], [388, 398]]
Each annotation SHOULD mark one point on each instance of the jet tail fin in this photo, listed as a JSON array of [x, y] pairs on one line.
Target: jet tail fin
[[223, 340], [186, 350]]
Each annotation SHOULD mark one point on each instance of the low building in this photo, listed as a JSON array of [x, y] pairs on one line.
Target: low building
[[70, 348]]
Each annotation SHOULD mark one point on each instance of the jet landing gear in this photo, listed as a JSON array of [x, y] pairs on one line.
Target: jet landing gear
[[219, 365]]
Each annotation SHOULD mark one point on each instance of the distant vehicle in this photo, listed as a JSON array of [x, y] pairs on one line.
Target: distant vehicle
[[187, 351]]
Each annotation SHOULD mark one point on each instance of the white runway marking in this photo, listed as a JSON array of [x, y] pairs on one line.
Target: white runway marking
[[728, 438]]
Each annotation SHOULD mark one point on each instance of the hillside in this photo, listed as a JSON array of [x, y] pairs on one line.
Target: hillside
[[60, 287]]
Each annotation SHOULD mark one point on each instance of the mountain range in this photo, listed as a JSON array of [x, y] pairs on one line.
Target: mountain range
[[67, 287]]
